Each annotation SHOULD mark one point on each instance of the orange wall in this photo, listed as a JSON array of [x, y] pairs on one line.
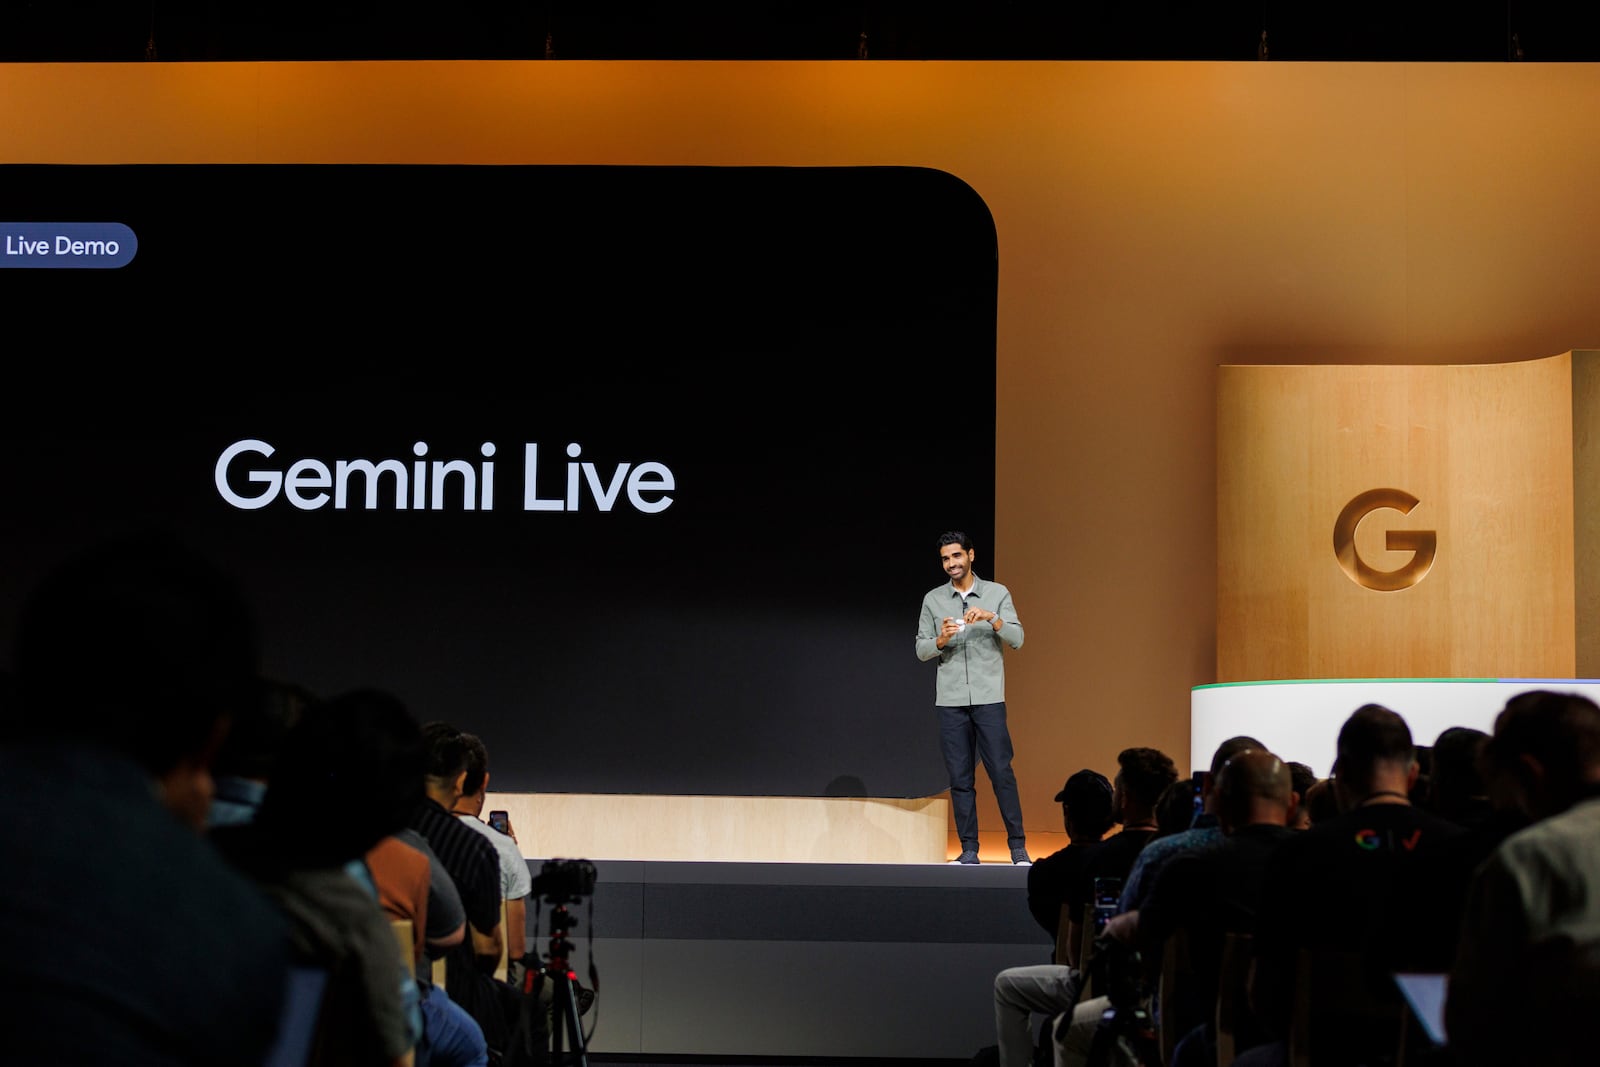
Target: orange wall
[[1155, 221]]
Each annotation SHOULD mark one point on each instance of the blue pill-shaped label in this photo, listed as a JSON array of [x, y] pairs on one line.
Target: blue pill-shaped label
[[80, 245]]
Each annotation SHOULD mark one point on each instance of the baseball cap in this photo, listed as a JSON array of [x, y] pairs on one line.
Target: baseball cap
[[1086, 788]]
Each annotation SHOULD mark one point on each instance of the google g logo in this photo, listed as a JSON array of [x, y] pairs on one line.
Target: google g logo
[[1421, 543]]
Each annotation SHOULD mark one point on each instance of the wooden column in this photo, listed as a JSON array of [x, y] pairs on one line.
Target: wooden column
[[1336, 484]]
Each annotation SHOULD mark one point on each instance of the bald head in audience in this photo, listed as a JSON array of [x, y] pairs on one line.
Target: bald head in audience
[[1255, 787]]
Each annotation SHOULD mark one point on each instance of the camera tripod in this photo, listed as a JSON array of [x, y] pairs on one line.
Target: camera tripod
[[565, 1028]]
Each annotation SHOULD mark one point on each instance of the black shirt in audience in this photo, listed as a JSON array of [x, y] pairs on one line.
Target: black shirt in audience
[[1430, 920], [468, 857], [1111, 858], [1049, 880], [1208, 895], [1346, 885]]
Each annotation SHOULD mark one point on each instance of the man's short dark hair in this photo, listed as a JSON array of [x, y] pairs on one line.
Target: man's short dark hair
[[446, 752], [1372, 734], [1560, 730], [1457, 775], [1145, 774], [1301, 779], [1175, 808], [955, 537], [359, 755], [477, 765], [257, 733], [140, 646]]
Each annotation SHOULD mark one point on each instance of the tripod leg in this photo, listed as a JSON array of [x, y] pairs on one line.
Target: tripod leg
[[557, 1022], [567, 1007]]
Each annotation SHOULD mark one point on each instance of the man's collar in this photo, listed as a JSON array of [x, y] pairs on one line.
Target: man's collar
[[977, 587]]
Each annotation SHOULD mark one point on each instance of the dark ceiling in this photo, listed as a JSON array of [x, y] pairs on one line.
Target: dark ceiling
[[1304, 30]]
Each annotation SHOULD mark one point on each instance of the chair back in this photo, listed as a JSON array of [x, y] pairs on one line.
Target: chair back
[[405, 935], [1177, 984], [1236, 1025], [1063, 935], [1339, 1011], [1086, 952]]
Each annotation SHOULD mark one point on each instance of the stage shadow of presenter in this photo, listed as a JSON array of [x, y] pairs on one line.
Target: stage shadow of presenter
[[849, 831]]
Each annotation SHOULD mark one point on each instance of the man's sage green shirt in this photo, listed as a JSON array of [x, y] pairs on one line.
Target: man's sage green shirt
[[970, 666]]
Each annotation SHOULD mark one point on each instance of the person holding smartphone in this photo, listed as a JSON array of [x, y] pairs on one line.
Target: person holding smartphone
[[515, 881]]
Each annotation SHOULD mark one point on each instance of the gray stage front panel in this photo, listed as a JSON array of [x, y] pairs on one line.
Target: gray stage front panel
[[819, 998], [772, 959], [614, 1023]]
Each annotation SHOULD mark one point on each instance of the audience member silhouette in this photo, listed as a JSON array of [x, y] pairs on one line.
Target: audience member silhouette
[[1203, 833], [1456, 789], [447, 919], [1525, 985], [1050, 989], [125, 938], [244, 763], [1422, 784], [1321, 802], [346, 777], [515, 881], [1177, 809], [402, 874], [469, 859], [1432, 915], [512, 1021], [1213, 892], [1303, 778], [1335, 887], [401, 871], [1085, 801], [1144, 775]]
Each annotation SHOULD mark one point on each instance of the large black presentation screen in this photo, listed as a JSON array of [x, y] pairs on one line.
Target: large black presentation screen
[[635, 472]]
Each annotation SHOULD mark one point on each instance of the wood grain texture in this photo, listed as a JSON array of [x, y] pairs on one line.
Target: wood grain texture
[[1487, 452], [728, 829], [1586, 510]]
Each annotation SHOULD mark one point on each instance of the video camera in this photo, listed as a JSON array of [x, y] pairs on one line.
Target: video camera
[[559, 881]]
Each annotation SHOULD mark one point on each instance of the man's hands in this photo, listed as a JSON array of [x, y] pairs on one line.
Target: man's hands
[[952, 626], [1123, 927]]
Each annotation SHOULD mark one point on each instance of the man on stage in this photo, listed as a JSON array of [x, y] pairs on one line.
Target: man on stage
[[966, 625]]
